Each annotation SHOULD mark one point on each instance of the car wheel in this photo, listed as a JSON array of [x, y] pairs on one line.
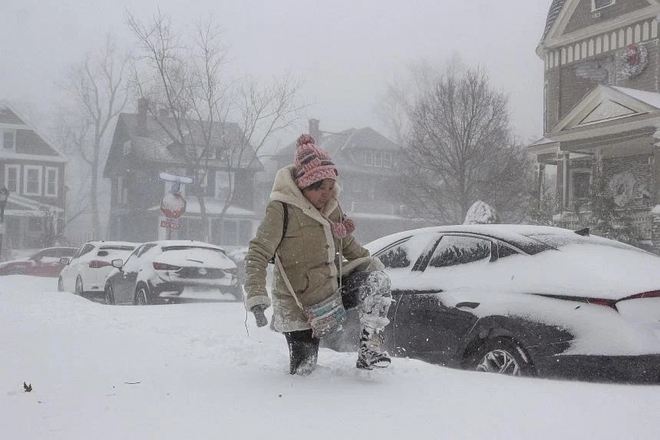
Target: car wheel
[[502, 355], [60, 285], [142, 296], [79, 287], [109, 295]]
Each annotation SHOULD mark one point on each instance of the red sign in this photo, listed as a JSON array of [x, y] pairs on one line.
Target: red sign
[[170, 224], [173, 205]]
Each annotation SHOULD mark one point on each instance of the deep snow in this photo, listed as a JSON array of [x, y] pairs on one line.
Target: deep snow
[[203, 371]]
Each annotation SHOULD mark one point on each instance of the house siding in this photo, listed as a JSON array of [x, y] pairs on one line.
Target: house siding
[[583, 16]]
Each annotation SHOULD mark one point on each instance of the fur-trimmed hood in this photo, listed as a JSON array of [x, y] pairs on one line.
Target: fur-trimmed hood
[[285, 190]]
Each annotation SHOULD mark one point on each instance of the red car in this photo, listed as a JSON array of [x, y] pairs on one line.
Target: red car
[[45, 263]]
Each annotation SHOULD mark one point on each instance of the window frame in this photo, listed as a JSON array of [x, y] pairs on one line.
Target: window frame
[[47, 171], [13, 134], [26, 181], [573, 172], [368, 158], [595, 8], [17, 168]]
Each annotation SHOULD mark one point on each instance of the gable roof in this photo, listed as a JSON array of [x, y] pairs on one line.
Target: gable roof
[[606, 104], [152, 144], [11, 117], [340, 145]]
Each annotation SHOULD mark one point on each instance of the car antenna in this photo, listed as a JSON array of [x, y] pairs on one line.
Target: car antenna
[[583, 232]]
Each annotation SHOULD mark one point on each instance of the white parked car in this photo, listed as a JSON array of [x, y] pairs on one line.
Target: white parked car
[[86, 271], [164, 271]]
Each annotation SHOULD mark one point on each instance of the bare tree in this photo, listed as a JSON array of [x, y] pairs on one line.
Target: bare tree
[[203, 112], [96, 91], [460, 149]]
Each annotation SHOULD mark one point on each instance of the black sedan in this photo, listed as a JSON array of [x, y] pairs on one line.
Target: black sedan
[[521, 300]]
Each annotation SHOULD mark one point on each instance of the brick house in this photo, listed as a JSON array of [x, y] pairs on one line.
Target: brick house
[[602, 107], [366, 161], [141, 150], [32, 169]]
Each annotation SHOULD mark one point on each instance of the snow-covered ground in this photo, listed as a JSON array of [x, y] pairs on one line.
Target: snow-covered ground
[[204, 371]]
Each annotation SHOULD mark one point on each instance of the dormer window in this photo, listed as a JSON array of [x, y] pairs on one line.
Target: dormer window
[[600, 4]]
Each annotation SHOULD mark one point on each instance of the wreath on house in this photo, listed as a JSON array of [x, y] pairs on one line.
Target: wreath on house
[[634, 60]]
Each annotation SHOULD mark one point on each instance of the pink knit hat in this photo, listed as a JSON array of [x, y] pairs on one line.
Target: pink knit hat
[[312, 163]]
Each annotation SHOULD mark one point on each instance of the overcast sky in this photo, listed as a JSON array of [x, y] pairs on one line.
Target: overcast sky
[[344, 51]]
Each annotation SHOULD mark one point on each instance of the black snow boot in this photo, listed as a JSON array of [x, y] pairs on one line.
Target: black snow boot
[[303, 352], [370, 353]]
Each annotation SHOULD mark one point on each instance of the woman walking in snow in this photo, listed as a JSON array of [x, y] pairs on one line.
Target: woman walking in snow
[[309, 237]]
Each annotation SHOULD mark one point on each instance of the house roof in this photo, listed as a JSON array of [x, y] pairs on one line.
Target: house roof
[[553, 13], [9, 115], [341, 147], [153, 143]]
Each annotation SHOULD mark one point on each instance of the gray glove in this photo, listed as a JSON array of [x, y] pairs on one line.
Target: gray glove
[[259, 316]]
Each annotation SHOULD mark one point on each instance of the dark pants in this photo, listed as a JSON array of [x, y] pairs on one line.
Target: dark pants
[[303, 349]]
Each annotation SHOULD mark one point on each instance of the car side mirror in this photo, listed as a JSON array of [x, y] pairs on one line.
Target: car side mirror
[[36, 258], [118, 263], [64, 261]]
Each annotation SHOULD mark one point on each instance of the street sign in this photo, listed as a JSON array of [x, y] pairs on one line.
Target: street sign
[[174, 178], [173, 205], [170, 224]]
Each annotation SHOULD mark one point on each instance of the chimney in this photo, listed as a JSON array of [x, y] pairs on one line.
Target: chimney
[[142, 117], [314, 130]]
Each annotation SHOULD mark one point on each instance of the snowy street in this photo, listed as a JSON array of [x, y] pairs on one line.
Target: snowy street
[[198, 371]]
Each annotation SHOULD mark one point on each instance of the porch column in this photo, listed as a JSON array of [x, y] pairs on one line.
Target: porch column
[[565, 165], [539, 184]]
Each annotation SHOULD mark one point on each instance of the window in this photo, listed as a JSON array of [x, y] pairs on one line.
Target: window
[[121, 193], [580, 180], [454, 250], [51, 181], [202, 178], [387, 160], [32, 180], [9, 139], [12, 173], [127, 147], [600, 4], [224, 183], [368, 158], [378, 159]]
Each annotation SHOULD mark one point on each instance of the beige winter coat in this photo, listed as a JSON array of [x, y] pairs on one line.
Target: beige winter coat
[[308, 253]]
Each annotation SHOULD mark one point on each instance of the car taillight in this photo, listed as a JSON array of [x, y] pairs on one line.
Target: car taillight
[[164, 266], [97, 264]]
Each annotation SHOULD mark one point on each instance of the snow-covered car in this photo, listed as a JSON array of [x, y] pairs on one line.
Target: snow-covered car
[[86, 271], [45, 263], [163, 271], [521, 300]]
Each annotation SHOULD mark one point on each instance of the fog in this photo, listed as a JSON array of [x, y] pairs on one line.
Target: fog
[[344, 52]]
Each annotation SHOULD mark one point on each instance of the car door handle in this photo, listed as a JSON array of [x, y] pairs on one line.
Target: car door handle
[[468, 304]]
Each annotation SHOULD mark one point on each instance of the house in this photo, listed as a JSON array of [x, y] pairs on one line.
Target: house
[[366, 161], [32, 169], [142, 150], [602, 108]]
